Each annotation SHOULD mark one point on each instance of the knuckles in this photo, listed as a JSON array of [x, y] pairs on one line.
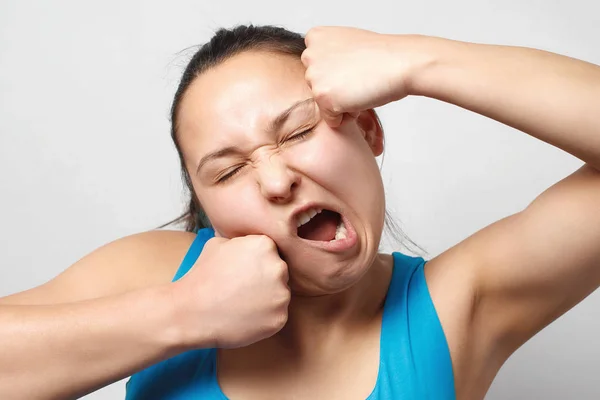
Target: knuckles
[[314, 33], [305, 57], [310, 35], [279, 321]]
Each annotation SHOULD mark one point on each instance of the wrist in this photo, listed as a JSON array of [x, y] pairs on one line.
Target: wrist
[[430, 58], [190, 329], [171, 333]]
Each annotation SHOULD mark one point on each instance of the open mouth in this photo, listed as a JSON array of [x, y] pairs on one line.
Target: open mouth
[[321, 225]]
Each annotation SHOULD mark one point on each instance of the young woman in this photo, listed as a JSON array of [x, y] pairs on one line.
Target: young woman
[[286, 295]]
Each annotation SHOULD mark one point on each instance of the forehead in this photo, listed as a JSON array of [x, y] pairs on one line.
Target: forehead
[[240, 96]]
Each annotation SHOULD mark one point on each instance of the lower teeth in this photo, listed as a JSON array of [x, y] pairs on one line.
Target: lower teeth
[[340, 231]]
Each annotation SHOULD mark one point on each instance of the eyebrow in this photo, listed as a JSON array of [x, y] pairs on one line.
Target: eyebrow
[[273, 127]]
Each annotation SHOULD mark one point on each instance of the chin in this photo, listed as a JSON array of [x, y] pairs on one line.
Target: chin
[[314, 272]]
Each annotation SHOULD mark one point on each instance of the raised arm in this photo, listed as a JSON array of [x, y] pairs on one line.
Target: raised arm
[[529, 268], [551, 97]]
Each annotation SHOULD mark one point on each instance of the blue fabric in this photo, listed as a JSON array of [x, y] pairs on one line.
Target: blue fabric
[[414, 356]]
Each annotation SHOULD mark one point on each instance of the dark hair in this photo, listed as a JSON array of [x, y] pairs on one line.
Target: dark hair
[[225, 44]]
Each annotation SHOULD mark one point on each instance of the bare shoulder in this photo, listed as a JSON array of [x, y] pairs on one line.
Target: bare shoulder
[[129, 263]]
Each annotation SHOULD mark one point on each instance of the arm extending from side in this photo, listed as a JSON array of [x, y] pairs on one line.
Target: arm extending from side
[[105, 317], [116, 312]]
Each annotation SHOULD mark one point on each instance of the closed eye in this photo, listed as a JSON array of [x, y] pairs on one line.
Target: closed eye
[[232, 172], [299, 136], [229, 174]]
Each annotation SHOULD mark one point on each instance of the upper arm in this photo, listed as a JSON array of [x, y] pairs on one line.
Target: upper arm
[[532, 267], [133, 262], [496, 289]]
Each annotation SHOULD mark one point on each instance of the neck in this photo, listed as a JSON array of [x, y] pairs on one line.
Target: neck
[[314, 321]]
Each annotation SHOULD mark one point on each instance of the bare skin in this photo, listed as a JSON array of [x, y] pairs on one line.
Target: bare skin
[[492, 292], [118, 285]]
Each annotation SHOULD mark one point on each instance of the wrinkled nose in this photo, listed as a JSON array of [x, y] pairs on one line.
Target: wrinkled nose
[[276, 180]]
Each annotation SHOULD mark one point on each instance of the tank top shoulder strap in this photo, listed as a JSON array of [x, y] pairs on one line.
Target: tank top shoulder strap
[[413, 349], [194, 252], [429, 345]]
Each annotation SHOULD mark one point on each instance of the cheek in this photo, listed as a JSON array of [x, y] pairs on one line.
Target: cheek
[[235, 210], [342, 162]]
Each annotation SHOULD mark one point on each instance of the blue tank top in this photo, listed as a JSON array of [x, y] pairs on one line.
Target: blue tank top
[[414, 356]]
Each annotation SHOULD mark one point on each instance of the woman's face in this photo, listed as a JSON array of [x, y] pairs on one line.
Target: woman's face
[[258, 171]]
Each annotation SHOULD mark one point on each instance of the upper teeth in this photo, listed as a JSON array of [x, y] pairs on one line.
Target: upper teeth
[[306, 216]]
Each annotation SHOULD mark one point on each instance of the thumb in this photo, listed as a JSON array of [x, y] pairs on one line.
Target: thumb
[[338, 120], [334, 120]]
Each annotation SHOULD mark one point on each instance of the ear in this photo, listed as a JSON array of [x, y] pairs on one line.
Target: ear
[[369, 124]]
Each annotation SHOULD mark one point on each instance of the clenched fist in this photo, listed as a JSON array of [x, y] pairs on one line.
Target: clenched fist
[[351, 70], [236, 293]]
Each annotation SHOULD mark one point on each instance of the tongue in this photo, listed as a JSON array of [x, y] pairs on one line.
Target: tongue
[[321, 227]]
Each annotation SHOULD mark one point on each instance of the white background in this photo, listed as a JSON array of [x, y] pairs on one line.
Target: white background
[[86, 157]]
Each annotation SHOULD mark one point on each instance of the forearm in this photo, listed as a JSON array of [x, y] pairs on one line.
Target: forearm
[[67, 350], [551, 97]]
